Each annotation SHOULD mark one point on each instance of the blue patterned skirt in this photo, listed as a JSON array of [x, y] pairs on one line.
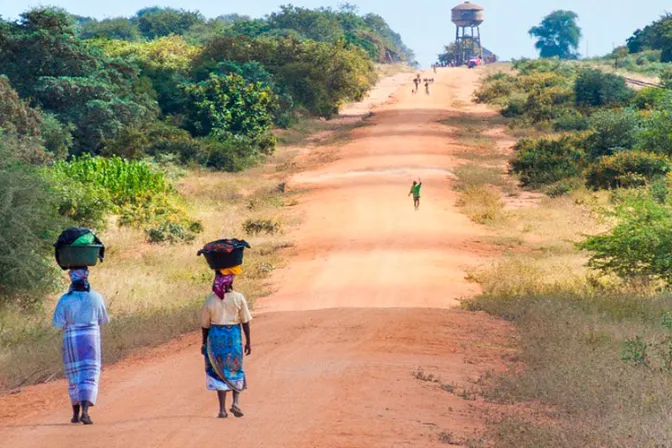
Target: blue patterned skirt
[[82, 362], [224, 359]]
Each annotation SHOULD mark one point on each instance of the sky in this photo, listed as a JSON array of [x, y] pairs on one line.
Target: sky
[[423, 24]]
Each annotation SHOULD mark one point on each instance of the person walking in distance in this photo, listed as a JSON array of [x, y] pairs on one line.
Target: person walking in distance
[[415, 191], [427, 87]]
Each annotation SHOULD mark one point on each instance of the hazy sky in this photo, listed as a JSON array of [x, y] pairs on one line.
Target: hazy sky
[[424, 24]]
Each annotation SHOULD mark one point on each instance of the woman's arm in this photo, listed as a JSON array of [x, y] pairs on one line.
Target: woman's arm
[[204, 332], [248, 341]]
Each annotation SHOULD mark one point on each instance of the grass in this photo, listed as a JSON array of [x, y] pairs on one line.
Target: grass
[[481, 204]]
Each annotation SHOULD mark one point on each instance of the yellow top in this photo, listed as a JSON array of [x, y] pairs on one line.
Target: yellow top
[[232, 310]]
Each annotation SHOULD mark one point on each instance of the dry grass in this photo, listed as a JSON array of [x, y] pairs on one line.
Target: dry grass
[[481, 204]]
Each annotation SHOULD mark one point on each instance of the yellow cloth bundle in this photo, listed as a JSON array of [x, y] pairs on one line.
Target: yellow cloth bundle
[[236, 270]]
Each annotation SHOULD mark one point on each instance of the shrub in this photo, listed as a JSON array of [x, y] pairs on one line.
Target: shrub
[[495, 89], [29, 224], [651, 98], [257, 226], [640, 245], [655, 133], [570, 120], [544, 161], [596, 88], [514, 106], [627, 169], [612, 130], [84, 203]]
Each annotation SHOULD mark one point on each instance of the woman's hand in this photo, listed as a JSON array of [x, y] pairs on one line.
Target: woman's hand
[[248, 349], [203, 349]]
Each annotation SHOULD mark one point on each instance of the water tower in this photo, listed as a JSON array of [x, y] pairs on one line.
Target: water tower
[[466, 18]]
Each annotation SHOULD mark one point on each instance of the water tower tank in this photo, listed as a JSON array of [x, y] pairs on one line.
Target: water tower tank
[[468, 14]]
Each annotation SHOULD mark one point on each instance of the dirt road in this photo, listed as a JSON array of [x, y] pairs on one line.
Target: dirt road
[[365, 302]]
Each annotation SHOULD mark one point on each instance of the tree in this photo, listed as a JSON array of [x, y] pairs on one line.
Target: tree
[[116, 28], [158, 22], [558, 35]]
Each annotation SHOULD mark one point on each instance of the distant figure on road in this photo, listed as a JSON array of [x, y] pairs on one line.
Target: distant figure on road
[[416, 81], [81, 312], [427, 87], [415, 191], [224, 313]]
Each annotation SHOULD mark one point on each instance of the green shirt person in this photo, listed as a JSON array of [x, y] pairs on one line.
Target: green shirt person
[[415, 191]]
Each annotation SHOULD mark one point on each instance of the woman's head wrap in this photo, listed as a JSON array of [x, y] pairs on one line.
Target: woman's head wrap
[[222, 284], [80, 280]]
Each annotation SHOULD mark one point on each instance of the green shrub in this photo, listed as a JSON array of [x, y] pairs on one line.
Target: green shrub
[[29, 225], [627, 169], [515, 105], [544, 161], [495, 89], [655, 133], [84, 203], [612, 130], [172, 232], [595, 88], [640, 245], [570, 120], [651, 98]]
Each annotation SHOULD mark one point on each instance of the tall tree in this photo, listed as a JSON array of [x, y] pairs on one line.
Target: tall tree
[[558, 35]]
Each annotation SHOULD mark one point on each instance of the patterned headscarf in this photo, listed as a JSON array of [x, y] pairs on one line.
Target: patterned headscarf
[[80, 280], [222, 284]]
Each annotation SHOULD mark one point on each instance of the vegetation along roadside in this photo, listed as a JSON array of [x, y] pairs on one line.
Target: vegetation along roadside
[[585, 271], [158, 132]]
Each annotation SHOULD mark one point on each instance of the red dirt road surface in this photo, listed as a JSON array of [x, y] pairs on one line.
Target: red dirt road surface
[[366, 301]]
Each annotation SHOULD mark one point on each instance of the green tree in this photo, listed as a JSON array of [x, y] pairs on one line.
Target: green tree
[[558, 35], [50, 66], [158, 22], [116, 28]]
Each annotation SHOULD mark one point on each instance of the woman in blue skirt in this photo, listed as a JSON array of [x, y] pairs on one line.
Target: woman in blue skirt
[[224, 315]]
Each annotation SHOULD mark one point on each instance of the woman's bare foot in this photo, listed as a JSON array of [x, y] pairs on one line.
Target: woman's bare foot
[[74, 419], [222, 414]]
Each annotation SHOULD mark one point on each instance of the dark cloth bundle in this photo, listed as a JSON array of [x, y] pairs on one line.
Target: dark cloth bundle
[[69, 236], [223, 254]]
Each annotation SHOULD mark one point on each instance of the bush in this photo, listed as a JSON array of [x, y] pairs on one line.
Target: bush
[[84, 203], [594, 88], [495, 88], [655, 133], [627, 169], [640, 245], [651, 98], [29, 224], [545, 161], [570, 120], [257, 226], [612, 130]]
